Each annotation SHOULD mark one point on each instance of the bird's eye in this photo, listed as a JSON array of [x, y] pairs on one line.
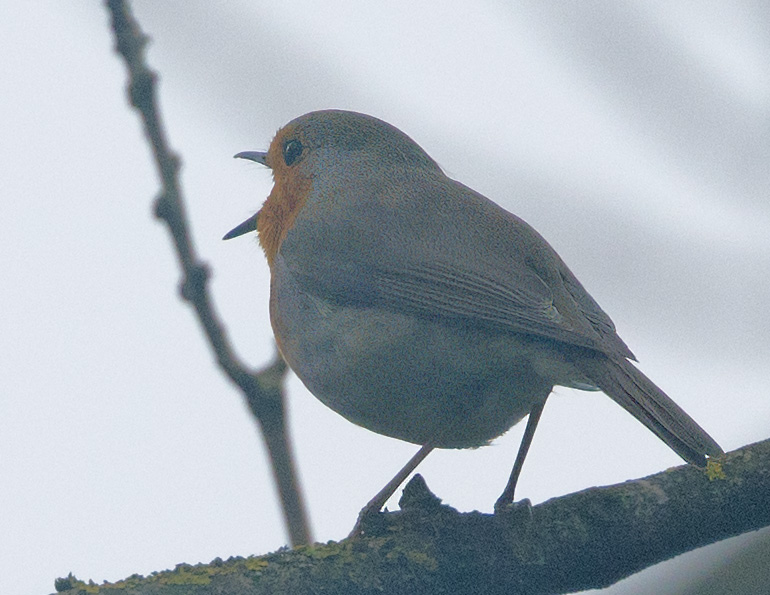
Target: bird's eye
[[292, 149]]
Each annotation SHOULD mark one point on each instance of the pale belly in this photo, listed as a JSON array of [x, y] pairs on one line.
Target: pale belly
[[414, 379]]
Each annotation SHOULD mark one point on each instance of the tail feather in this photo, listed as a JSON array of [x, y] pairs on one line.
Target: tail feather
[[638, 395]]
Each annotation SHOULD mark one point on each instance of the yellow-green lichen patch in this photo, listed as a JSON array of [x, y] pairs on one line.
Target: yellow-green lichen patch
[[74, 585], [185, 574], [714, 470], [255, 564], [321, 552], [202, 574], [131, 582]]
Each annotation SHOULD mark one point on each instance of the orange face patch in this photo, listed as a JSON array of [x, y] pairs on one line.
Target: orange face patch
[[285, 201]]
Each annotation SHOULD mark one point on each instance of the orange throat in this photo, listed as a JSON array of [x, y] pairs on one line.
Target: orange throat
[[280, 211]]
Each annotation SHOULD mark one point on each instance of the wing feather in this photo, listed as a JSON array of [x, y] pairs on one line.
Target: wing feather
[[435, 248]]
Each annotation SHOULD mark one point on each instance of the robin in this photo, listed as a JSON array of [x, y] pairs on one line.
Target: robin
[[419, 309]]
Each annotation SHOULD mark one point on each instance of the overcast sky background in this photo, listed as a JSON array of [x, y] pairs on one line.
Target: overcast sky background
[[634, 135]]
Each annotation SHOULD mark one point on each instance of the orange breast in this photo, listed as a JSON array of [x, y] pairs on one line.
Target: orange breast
[[280, 211]]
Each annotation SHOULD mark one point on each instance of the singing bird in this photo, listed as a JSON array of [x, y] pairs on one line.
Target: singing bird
[[419, 309]]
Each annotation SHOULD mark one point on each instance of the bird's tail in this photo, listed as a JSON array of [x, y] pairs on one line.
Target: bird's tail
[[638, 395]]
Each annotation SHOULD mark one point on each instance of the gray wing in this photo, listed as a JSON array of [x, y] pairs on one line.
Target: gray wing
[[450, 253]]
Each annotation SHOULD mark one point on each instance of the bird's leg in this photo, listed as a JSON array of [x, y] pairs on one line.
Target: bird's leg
[[506, 498], [376, 503]]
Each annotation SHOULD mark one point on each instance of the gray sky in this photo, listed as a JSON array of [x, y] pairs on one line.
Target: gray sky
[[635, 136]]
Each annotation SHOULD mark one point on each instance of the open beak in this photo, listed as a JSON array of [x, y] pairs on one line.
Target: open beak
[[257, 156], [251, 223], [247, 226]]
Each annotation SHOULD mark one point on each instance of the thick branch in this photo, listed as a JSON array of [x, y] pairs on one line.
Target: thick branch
[[589, 539], [263, 391]]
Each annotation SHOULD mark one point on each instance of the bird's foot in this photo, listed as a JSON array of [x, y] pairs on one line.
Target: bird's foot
[[366, 521], [521, 510]]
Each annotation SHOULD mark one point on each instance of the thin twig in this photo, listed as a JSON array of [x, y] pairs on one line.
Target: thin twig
[[263, 390]]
